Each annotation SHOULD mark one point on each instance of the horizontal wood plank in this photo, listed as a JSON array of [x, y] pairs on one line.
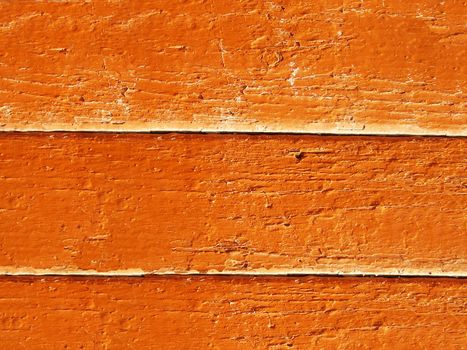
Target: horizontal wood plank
[[392, 67], [208, 203], [232, 313]]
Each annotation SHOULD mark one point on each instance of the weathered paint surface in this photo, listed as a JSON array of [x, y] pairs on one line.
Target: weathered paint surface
[[232, 313], [196, 202], [113, 205], [291, 66]]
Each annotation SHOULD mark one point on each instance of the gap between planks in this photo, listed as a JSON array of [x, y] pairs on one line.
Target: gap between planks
[[383, 273], [389, 132]]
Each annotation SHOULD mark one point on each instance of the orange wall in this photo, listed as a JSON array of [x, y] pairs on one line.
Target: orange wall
[[328, 212]]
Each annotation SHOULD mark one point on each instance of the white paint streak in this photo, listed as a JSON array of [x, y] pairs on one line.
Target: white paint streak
[[293, 75]]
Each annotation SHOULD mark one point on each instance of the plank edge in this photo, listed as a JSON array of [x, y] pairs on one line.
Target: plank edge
[[258, 129], [136, 272]]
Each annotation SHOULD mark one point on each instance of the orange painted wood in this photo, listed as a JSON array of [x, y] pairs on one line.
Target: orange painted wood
[[194, 202], [232, 313], [295, 66]]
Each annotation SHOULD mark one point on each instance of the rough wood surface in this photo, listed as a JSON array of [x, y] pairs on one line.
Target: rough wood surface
[[339, 66], [232, 313], [194, 202]]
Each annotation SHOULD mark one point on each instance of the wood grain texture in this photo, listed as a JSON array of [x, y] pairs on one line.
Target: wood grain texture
[[232, 313], [194, 202], [336, 66]]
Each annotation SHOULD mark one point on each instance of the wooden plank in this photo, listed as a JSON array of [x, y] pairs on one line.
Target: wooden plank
[[392, 67], [251, 203], [232, 313]]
